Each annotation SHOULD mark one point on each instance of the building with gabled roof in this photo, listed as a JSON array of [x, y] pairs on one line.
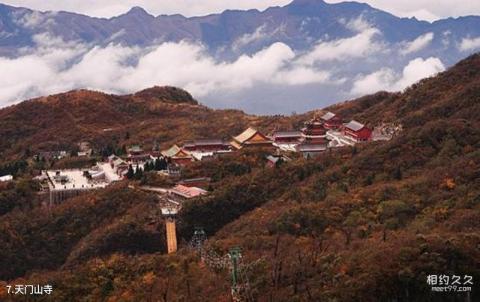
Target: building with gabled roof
[[331, 120], [173, 151], [328, 116], [314, 132], [311, 150], [136, 154], [357, 131], [177, 155], [64, 184], [250, 138], [185, 192], [206, 145], [199, 182], [287, 137]]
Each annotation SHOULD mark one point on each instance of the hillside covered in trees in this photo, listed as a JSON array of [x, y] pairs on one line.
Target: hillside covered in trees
[[165, 115], [364, 223]]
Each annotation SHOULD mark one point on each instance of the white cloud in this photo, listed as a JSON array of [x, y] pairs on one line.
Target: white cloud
[[259, 34], [417, 44], [418, 69], [357, 46], [468, 44], [56, 66], [357, 25], [387, 79], [376, 81], [34, 19], [446, 35], [302, 76]]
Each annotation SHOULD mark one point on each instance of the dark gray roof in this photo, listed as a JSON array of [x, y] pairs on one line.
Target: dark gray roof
[[190, 180], [205, 142], [354, 125], [311, 147]]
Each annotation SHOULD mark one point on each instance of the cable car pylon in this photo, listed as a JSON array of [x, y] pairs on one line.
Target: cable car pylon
[[240, 286]]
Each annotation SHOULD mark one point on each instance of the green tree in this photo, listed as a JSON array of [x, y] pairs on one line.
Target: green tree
[[320, 189], [138, 173], [130, 172], [397, 173], [393, 214]]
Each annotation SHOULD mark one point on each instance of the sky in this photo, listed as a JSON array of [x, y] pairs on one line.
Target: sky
[[429, 10]]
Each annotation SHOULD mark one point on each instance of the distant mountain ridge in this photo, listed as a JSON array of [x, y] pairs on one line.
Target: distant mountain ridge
[[313, 54], [299, 25]]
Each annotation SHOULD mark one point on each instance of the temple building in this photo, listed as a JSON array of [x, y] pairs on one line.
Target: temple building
[[177, 155], [200, 182], [314, 138], [314, 132], [331, 121], [206, 145], [357, 131], [184, 193], [136, 154], [311, 150], [250, 138], [64, 184], [287, 137]]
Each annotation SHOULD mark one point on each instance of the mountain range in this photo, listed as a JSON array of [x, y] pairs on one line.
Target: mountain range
[[313, 53], [300, 25]]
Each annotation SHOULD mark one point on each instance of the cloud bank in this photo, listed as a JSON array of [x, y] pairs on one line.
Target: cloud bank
[[469, 44], [387, 79], [358, 46], [338, 68], [418, 44], [56, 66]]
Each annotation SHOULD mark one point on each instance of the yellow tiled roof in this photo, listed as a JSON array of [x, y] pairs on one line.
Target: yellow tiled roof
[[245, 135]]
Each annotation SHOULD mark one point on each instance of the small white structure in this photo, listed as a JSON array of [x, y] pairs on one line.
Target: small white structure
[[169, 211], [338, 139], [199, 156], [6, 178], [64, 184]]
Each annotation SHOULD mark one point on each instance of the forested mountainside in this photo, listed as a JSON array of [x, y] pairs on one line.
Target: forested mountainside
[[367, 223]]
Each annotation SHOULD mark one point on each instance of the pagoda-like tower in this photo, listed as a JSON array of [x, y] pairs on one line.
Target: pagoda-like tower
[[314, 132]]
